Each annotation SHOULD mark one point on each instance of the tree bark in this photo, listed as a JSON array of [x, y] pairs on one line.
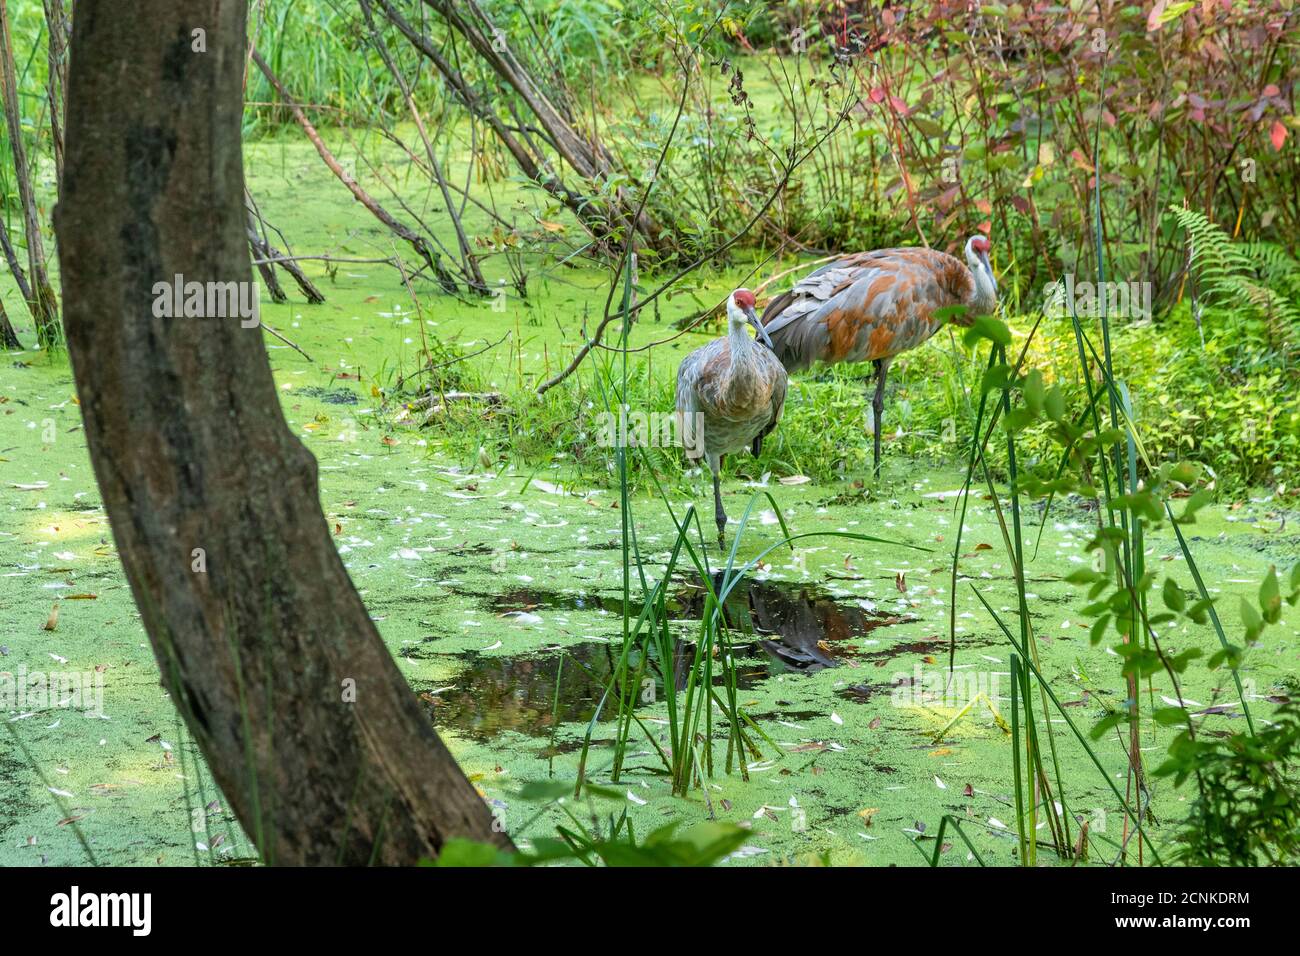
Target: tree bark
[[8, 337], [16, 268], [317, 742], [56, 81]]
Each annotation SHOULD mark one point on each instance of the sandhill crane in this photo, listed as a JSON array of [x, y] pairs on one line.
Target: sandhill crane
[[871, 306], [729, 394]]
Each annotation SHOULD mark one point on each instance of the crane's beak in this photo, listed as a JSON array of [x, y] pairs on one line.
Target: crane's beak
[[758, 328]]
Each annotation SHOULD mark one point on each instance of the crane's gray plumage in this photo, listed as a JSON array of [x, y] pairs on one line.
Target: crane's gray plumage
[[730, 394]]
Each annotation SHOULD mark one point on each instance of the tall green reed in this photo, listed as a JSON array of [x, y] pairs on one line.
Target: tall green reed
[[1100, 441]]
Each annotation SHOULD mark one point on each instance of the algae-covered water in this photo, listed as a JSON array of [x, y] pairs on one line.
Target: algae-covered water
[[498, 585]]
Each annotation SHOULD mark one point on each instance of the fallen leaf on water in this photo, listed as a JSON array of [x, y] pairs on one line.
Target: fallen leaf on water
[[805, 748], [523, 617]]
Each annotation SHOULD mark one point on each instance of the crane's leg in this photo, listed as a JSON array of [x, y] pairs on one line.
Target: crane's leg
[[878, 409], [719, 513]]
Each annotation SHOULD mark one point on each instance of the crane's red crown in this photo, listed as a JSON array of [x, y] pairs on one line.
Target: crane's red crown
[[744, 298], [981, 244]]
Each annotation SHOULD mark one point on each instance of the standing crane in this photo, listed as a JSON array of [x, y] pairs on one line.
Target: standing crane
[[730, 393], [872, 306]]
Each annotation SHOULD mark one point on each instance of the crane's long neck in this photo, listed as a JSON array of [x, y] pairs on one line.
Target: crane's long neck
[[740, 342], [742, 348], [984, 300]]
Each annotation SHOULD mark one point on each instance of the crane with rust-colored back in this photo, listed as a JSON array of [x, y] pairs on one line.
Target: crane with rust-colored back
[[872, 306], [730, 393]]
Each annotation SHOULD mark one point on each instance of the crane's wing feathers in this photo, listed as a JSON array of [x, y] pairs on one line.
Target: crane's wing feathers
[[865, 306], [811, 292]]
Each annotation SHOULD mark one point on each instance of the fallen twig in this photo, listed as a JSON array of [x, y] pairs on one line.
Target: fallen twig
[[287, 342]]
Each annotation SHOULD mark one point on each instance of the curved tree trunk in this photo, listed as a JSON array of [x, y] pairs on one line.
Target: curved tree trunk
[[266, 648]]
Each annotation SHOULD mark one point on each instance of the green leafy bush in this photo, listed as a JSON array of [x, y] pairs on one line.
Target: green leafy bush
[[1248, 811]]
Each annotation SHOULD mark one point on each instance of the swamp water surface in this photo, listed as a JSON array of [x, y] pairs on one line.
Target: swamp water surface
[[775, 626]]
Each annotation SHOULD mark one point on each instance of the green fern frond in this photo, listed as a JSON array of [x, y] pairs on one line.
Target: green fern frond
[[1235, 272], [1273, 260]]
